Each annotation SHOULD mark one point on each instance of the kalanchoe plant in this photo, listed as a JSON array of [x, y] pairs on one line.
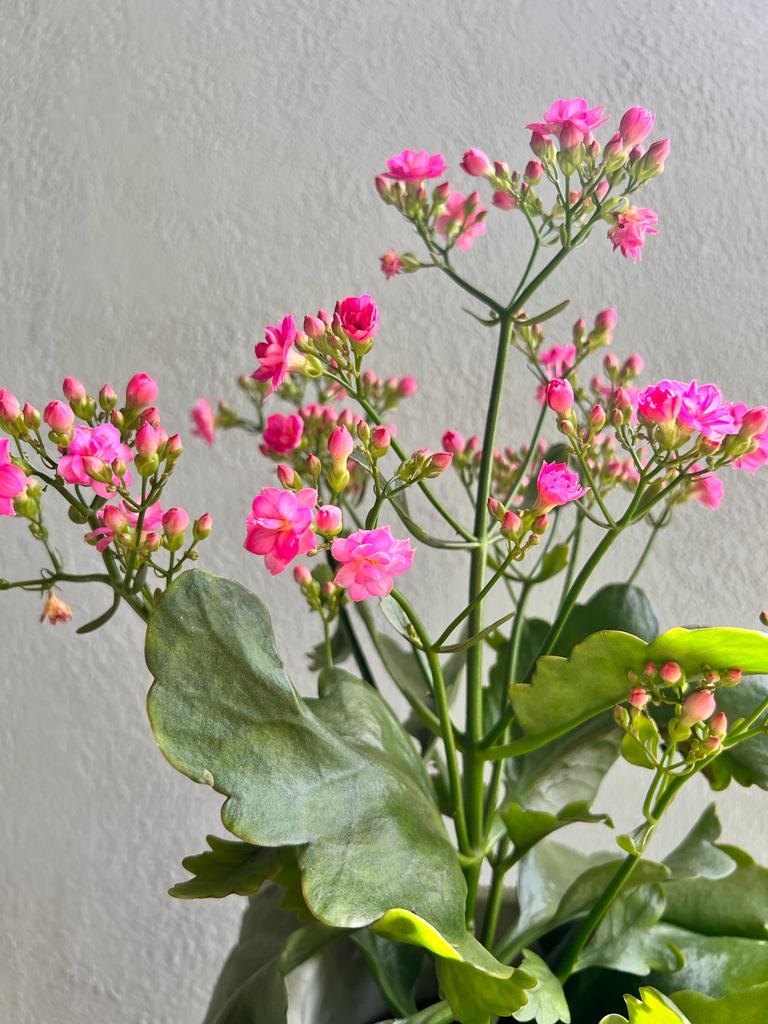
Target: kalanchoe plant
[[384, 848]]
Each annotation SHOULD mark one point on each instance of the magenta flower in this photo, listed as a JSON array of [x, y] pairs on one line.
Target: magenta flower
[[659, 403], [456, 222], [204, 421], [556, 485], [88, 447], [628, 234], [415, 165], [703, 410], [370, 560], [359, 317], [12, 480], [558, 359], [707, 489], [574, 112], [279, 526], [282, 434], [277, 355]]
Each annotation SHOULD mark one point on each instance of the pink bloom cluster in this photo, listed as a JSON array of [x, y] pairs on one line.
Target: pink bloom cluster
[[279, 526], [631, 227], [13, 480], [415, 166], [119, 518], [370, 561], [282, 434], [569, 117], [91, 452], [693, 407]]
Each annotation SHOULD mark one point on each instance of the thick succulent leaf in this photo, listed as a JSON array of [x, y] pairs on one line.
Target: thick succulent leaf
[[568, 770], [697, 855], [527, 828], [617, 607], [546, 1003], [626, 939], [715, 965], [746, 763], [745, 1007], [736, 905], [651, 1008], [228, 868], [272, 943], [337, 774], [567, 691], [394, 966], [475, 997]]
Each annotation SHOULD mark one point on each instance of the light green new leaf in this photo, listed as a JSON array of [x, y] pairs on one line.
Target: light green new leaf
[[697, 855], [567, 691], [627, 939], [746, 1007], [546, 1003], [651, 1008], [337, 774], [475, 997]]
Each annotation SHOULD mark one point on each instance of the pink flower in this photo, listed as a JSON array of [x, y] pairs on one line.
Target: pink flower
[[277, 355], [141, 391], [575, 113], [282, 434], [407, 387], [558, 359], [707, 489], [476, 163], [635, 126], [628, 234], [415, 165], [9, 405], [556, 485], [703, 410], [370, 560], [55, 610], [751, 462], [12, 480], [456, 222], [359, 316], [559, 396], [58, 416], [100, 443], [390, 264], [280, 526], [659, 403], [203, 420]]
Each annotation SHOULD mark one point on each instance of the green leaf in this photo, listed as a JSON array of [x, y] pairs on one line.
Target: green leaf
[[229, 868], [651, 1008], [475, 997], [746, 1007], [736, 905], [567, 691], [641, 746], [618, 607], [697, 855], [336, 774], [546, 1003], [526, 828], [746, 763], [394, 966], [553, 562], [626, 939], [715, 965]]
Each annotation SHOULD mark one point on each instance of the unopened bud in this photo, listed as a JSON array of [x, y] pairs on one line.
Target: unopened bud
[[496, 509], [202, 527], [32, 416], [559, 394], [671, 672], [313, 326], [74, 390], [107, 398], [596, 419], [511, 524], [639, 697], [302, 575], [718, 724], [540, 524], [146, 441], [380, 441], [328, 520], [287, 476], [621, 716], [697, 707]]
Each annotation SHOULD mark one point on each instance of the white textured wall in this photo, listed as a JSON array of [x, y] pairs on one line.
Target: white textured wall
[[177, 174]]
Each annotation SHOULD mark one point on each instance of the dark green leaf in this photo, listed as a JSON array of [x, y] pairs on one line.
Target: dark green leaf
[[546, 1003], [746, 762], [527, 828], [736, 905], [394, 966], [714, 965], [227, 868], [698, 855], [617, 606], [337, 774], [746, 1007]]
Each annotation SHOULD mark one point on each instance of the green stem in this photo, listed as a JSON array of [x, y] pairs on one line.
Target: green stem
[[45, 582], [470, 608], [645, 552], [446, 725], [327, 644]]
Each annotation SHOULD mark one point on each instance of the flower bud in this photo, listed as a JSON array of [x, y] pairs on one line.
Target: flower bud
[[543, 147], [596, 419], [453, 442], [606, 320], [287, 476], [511, 524], [697, 707], [302, 575], [151, 415], [114, 518], [173, 447], [504, 201], [380, 441], [141, 391], [712, 743], [328, 520], [175, 521], [340, 444], [146, 441], [97, 469], [59, 416], [652, 164], [635, 126], [313, 326], [754, 422], [540, 524], [671, 672], [407, 387], [202, 527], [611, 364], [32, 416], [533, 171], [764, 617], [559, 395], [496, 509], [476, 163], [436, 463], [9, 405], [639, 697], [621, 716], [718, 724], [107, 398], [117, 419], [74, 390], [634, 366], [152, 541]]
